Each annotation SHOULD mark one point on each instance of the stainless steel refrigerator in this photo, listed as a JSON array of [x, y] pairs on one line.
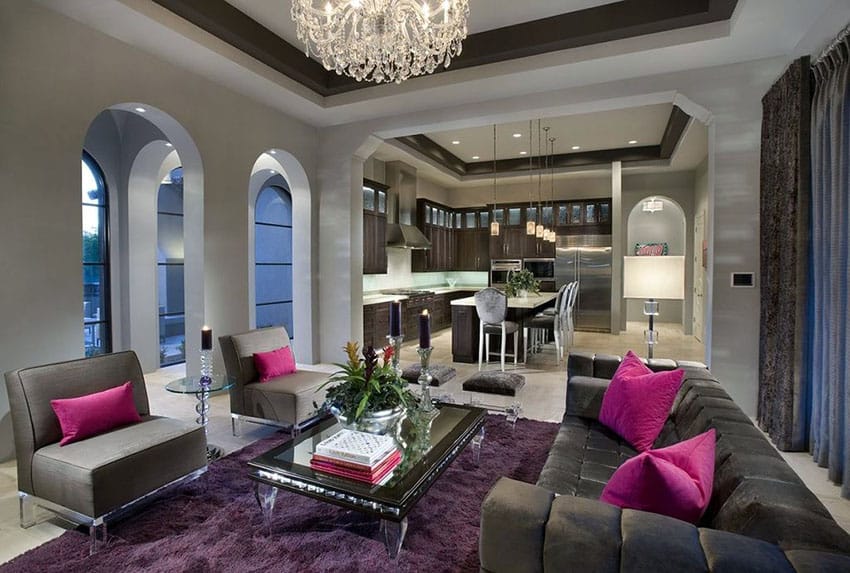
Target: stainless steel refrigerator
[[587, 259]]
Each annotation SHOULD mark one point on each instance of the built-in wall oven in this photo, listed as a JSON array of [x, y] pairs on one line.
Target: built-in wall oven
[[543, 270], [501, 268]]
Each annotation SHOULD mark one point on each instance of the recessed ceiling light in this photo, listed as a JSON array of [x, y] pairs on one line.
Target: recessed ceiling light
[[632, 141], [475, 157], [167, 144], [273, 152], [272, 171], [455, 142], [523, 153], [141, 109], [576, 147], [517, 135]]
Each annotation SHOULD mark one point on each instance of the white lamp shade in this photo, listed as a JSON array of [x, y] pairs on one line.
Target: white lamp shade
[[654, 277]]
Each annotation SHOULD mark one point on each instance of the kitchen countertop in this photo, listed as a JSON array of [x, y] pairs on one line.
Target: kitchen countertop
[[380, 298], [532, 301]]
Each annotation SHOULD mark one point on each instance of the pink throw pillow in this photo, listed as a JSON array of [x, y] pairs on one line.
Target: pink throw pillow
[[637, 401], [277, 362], [93, 414], [675, 481]]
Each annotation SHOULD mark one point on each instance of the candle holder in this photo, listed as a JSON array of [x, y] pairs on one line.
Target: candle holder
[[425, 378], [203, 406], [395, 343]]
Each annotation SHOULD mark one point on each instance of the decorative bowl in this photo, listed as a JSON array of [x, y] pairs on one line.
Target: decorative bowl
[[380, 423]]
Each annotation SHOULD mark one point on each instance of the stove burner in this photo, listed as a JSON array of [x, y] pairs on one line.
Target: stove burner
[[409, 292]]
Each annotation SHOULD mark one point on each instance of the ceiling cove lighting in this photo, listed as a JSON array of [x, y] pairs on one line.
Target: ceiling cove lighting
[[652, 205], [381, 40]]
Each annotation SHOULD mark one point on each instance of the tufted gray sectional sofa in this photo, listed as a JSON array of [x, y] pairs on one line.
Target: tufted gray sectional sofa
[[761, 516]]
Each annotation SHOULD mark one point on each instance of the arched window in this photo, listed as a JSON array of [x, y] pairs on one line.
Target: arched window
[[169, 262], [97, 329], [273, 257]]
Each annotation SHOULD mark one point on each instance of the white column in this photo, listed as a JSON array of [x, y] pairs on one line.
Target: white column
[[618, 308]]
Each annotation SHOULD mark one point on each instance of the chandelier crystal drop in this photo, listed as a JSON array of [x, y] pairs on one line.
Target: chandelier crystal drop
[[381, 40]]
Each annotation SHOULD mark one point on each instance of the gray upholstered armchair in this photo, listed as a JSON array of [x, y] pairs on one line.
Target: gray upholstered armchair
[[92, 480], [285, 401]]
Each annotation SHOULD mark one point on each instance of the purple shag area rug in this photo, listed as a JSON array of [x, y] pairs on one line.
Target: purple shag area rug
[[215, 524]]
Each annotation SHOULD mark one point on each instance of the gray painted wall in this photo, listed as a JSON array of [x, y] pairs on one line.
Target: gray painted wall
[[58, 76]]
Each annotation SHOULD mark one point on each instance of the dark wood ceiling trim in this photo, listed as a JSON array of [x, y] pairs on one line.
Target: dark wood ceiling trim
[[606, 23], [673, 133], [676, 124], [436, 152], [246, 34], [565, 160]]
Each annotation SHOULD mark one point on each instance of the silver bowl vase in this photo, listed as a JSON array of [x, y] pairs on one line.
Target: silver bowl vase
[[380, 423]]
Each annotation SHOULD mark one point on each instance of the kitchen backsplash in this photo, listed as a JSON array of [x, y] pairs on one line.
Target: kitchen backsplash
[[399, 275]]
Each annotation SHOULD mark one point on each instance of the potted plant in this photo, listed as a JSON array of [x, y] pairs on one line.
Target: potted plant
[[521, 282], [367, 395]]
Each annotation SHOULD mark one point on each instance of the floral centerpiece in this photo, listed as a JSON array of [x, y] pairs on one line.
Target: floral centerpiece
[[521, 282], [368, 394]]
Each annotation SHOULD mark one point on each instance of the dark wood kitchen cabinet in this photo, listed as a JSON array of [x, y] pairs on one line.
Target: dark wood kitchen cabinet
[[508, 244], [376, 324], [437, 223], [374, 227], [472, 242], [534, 248]]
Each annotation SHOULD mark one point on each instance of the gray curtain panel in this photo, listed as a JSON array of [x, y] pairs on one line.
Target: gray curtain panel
[[830, 265], [784, 247]]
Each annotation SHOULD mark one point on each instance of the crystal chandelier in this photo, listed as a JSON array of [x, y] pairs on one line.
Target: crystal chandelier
[[381, 40]]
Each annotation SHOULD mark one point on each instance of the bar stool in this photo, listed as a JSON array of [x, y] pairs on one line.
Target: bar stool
[[492, 307], [543, 321]]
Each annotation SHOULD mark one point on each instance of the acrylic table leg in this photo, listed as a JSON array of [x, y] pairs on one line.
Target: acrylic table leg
[[393, 533], [266, 495], [476, 446]]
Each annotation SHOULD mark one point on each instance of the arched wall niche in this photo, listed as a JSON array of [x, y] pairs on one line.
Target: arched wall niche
[[669, 226], [138, 144], [276, 166]]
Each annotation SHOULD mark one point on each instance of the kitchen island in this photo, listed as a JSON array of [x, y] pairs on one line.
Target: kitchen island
[[465, 324]]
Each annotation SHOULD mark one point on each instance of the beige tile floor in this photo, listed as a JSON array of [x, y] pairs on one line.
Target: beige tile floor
[[542, 399]]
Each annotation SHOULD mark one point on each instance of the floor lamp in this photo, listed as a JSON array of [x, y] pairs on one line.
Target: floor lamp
[[651, 278]]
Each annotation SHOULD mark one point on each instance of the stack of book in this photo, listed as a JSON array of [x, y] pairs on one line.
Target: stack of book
[[357, 455]]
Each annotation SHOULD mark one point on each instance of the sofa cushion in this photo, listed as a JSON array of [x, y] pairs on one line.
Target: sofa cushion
[[277, 362], [99, 474], [288, 399], [674, 481], [583, 457], [787, 514], [95, 413], [728, 553], [637, 401]]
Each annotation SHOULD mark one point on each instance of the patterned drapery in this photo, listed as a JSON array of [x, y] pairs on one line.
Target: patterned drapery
[[784, 232]]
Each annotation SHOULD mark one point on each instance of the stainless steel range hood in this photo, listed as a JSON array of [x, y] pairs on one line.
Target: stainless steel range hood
[[401, 233], [406, 237]]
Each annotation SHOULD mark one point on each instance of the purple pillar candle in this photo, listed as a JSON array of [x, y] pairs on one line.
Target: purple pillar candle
[[206, 338], [425, 329], [395, 318]]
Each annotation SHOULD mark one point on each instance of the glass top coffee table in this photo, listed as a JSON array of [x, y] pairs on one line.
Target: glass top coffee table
[[428, 445]]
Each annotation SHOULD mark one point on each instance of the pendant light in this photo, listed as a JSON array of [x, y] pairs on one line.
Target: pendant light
[[494, 224], [530, 225], [538, 230], [547, 142], [553, 235]]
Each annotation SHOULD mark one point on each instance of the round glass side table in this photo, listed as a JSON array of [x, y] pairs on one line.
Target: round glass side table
[[202, 389]]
